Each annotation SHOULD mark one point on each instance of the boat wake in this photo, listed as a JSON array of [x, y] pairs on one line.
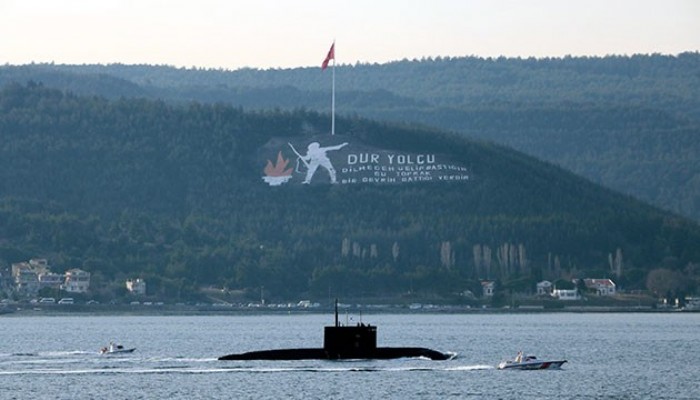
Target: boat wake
[[189, 369], [48, 354], [471, 368], [79, 362]]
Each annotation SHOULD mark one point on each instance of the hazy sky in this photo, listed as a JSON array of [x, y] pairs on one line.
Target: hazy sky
[[232, 34]]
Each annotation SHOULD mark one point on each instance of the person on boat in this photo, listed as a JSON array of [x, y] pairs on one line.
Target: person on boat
[[519, 357]]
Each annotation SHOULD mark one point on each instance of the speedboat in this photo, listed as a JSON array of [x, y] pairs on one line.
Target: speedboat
[[530, 362], [116, 349]]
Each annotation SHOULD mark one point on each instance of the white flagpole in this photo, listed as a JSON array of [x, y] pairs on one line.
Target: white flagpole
[[333, 95]]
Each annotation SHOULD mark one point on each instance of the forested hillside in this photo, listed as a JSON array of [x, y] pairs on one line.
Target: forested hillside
[[172, 193], [630, 123]]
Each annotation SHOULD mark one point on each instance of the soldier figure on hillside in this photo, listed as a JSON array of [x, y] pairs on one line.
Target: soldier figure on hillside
[[315, 157]]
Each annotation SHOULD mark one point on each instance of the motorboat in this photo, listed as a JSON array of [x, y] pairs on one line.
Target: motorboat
[[530, 363], [116, 349]]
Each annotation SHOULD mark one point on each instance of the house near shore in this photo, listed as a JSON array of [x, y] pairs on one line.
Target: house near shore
[[602, 287], [566, 294], [77, 281], [544, 288], [136, 286], [31, 276], [50, 280], [488, 288]]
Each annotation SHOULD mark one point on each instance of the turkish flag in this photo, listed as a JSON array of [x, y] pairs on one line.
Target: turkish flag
[[330, 56]]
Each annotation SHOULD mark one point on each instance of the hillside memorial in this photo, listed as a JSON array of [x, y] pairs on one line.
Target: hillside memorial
[[344, 160]]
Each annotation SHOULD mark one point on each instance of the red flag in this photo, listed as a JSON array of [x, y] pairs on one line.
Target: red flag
[[330, 56]]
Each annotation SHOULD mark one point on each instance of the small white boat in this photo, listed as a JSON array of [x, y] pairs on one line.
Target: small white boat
[[116, 349], [530, 363]]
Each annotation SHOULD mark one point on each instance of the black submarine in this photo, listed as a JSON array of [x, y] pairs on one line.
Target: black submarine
[[343, 343]]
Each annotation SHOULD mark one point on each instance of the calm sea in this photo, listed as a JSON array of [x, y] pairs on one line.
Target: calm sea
[[611, 356]]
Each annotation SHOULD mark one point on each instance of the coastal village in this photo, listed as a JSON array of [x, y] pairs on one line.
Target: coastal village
[[29, 280], [33, 282]]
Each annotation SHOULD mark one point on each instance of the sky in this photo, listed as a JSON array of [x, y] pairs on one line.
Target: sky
[[233, 34]]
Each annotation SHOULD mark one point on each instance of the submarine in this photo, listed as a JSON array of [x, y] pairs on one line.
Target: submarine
[[343, 343]]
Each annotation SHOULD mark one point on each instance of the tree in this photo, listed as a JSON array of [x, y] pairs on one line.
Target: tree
[[564, 284], [667, 283]]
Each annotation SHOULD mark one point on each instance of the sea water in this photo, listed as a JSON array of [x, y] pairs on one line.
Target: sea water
[[610, 356]]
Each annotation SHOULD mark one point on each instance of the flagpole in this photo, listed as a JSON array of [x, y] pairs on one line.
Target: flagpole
[[333, 95], [324, 65]]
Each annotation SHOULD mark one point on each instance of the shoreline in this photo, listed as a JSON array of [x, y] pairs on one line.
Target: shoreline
[[165, 310]]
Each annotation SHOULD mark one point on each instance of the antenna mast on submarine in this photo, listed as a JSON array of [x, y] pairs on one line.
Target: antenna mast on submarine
[[336, 312]]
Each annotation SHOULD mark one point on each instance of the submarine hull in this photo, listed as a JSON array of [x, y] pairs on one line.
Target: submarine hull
[[379, 353], [343, 343]]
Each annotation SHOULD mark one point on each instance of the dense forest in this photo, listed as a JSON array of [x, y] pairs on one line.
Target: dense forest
[[171, 193], [631, 123]]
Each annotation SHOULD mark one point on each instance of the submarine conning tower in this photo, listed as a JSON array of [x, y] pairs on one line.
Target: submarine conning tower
[[340, 342]]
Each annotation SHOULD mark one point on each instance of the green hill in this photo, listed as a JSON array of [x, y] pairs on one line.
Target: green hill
[[630, 123], [173, 193]]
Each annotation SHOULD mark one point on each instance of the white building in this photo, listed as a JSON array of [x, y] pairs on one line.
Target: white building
[[77, 281], [488, 287], [26, 278], [136, 286], [566, 294], [603, 287], [544, 288], [50, 280]]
